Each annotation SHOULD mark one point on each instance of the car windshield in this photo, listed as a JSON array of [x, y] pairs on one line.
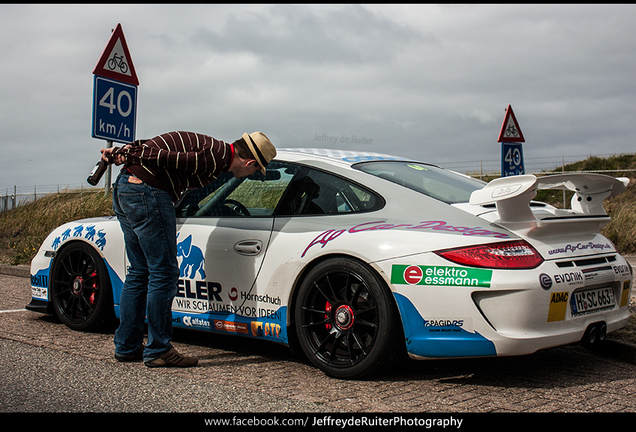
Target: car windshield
[[438, 183]]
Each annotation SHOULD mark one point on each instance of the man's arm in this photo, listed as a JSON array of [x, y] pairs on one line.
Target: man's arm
[[182, 151]]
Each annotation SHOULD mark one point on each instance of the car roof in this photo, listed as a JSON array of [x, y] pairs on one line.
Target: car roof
[[341, 157]]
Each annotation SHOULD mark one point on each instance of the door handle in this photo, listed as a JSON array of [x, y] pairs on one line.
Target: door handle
[[248, 247]]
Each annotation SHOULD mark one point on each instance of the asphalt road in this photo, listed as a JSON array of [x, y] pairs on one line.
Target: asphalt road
[[47, 368]]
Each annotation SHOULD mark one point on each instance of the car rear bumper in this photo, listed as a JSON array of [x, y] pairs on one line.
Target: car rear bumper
[[469, 313]]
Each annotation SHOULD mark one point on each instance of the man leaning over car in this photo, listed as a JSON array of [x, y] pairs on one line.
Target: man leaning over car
[[155, 174]]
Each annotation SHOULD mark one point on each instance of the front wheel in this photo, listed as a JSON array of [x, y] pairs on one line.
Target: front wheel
[[80, 288], [345, 318]]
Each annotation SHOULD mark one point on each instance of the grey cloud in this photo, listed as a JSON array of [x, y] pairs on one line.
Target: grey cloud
[[423, 81], [298, 34]]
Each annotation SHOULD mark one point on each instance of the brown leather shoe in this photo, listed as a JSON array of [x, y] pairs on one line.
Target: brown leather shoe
[[172, 358]]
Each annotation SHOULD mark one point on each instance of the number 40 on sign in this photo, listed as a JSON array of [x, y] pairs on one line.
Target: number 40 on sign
[[511, 159]]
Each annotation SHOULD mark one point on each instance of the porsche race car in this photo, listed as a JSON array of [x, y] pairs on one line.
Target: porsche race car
[[352, 257]]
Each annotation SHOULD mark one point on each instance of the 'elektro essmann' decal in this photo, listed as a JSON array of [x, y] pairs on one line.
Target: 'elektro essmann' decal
[[440, 275]]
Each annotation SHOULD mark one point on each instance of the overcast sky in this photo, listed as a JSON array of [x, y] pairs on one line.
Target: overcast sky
[[430, 82]]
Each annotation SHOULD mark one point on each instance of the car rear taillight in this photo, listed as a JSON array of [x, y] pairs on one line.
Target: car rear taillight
[[507, 255]]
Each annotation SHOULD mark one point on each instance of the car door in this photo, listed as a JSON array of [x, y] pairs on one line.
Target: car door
[[224, 231]]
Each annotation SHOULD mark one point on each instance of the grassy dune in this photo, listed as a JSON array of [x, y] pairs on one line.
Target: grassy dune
[[23, 229]]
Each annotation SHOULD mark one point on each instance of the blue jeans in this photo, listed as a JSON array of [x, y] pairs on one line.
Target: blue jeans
[[148, 221]]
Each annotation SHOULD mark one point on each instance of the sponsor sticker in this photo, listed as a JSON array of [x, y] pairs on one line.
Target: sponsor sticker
[[265, 329], [573, 248], [231, 326], [39, 293], [622, 270], [565, 279], [440, 275], [558, 306], [625, 294], [449, 325], [196, 322], [571, 279]]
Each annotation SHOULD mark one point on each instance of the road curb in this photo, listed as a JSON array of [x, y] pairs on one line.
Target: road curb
[[15, 270]]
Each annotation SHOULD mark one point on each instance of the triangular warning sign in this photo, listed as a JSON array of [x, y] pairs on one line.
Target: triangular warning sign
[[510, 131], [115, 62]]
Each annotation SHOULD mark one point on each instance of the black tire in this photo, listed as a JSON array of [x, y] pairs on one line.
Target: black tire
[[80, 288], [345, 319]]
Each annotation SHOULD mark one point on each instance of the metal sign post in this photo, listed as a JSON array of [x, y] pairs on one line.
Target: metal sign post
[[108, 174]]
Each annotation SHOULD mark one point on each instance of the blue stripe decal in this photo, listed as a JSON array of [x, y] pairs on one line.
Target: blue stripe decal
[[426, 341]]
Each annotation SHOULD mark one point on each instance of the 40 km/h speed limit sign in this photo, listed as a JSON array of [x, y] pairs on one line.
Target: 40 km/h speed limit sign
[[511, 159], [114, 110]]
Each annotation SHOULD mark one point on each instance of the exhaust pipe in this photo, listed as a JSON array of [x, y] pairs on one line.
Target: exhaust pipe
[[592, 335], [595, 333]]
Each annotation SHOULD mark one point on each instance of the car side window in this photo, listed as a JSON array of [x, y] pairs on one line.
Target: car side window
[[314, 192], [255, 195]]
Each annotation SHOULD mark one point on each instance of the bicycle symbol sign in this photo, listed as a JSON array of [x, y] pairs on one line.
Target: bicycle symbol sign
[[511, 131], [117, 61]]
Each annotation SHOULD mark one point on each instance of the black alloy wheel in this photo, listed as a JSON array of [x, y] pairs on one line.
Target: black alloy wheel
[[345, 318], [80, 288]]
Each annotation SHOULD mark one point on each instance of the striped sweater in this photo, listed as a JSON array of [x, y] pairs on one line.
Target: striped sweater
[[177, 161]]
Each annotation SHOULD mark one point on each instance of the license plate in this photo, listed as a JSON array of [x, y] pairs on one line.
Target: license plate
[[587, 302]]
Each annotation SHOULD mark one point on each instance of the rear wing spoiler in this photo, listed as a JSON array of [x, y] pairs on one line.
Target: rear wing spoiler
[[512, 195]]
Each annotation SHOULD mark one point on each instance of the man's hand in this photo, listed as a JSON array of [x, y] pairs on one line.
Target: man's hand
[[114, 155]]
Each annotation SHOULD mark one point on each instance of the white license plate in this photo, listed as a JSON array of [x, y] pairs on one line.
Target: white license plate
[[586, 302]]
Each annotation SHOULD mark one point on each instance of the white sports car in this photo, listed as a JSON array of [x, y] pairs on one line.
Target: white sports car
[[354, 256]]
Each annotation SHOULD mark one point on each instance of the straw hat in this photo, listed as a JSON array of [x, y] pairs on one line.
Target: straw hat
[[261, 147]]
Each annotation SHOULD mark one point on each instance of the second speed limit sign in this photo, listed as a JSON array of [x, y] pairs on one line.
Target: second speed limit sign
[[114, 110], [511, 159]]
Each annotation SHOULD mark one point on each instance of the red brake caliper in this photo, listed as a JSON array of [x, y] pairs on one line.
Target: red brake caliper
[[95, 287]]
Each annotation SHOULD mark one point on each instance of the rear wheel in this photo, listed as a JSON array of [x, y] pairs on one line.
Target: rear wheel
[[80, 288], [345, 318]]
